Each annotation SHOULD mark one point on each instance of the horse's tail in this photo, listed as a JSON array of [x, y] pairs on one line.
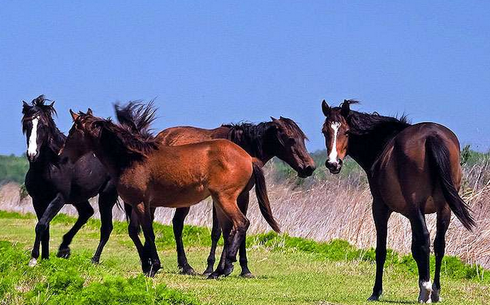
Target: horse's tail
[[441, 164], [262, 198]]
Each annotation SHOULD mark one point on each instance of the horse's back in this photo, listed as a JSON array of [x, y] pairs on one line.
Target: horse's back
[[404, 174], [183, 135]]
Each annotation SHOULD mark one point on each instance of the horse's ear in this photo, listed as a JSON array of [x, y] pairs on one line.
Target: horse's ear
[[345, 108], [325, 108], [273, 118], [74, 115], [89, 112], [51, 105], [25, 107]]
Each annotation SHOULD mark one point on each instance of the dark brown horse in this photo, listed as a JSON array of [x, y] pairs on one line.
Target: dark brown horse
[[412, 169], [150, 175], [280, 138]]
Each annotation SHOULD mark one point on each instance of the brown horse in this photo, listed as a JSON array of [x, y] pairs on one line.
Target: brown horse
[[280, 138], [412, 169], [150, 175]]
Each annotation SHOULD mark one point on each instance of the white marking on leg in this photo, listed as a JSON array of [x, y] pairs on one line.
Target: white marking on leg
[[32, 146], [332, 157], [32, 262], [425, 292]]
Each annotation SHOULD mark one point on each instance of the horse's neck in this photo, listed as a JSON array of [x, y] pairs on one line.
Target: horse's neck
[[47, 158], [366, 149], [255, 148], [115, 157]]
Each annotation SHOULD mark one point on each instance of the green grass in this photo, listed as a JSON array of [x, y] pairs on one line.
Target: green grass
[[288, 271]]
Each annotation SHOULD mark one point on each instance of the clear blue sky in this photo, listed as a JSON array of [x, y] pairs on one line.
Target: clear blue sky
[[213, 62]]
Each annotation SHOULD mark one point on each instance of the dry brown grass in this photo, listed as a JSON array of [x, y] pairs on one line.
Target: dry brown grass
[[336, 208]]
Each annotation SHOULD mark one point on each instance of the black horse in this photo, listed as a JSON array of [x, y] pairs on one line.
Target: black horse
[[412, 170], [52, 181]]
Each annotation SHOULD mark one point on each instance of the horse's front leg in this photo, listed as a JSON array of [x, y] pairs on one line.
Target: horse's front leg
[[215, 236], [107, 200], [178, 227], [381, 214], [42, 227], [145, 218], [85, 211], [40, 207]]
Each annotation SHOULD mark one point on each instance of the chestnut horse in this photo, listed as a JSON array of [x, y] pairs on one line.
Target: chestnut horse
[[412, 169], [151, 175], [280, 138]]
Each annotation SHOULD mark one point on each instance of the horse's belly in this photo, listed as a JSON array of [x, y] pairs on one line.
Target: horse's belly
[[178, 197]]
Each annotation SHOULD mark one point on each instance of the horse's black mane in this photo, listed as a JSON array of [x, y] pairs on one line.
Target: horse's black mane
[[46, 112], [251, 136], [361, 123]]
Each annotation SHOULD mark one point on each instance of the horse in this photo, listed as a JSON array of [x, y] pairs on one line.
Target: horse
[[280, 138], [412, 170], [52, 181], [150, 175]]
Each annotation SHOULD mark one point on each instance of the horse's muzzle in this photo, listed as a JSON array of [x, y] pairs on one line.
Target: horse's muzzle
[[334, 167], [306, 171]]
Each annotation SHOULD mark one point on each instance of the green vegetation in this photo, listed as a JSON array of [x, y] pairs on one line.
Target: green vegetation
[[13, 168], [288, 270]]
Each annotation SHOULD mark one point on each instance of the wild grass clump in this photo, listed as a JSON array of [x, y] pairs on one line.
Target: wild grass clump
[[75, 281]]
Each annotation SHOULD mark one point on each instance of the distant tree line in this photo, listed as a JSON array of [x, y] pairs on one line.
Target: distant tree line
[[13, 168]]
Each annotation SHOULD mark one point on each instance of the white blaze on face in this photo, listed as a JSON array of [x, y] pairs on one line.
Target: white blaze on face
[[332, 157], [32, 145]]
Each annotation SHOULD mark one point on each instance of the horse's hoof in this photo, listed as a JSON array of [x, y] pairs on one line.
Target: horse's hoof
[[208, 271], [33, 262], [187, 270], [425, 292], [228, 270], [213, 276], [435, 295], [373, 298], [95, 260], [247, 275], [64, 253]]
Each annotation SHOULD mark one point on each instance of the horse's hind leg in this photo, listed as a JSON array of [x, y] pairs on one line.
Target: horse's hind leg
[[443, 219], [107, 200], [85, 211], [381, 214], [243, 201], [420, 251], [233, 232], [215, 236], [178, 226]]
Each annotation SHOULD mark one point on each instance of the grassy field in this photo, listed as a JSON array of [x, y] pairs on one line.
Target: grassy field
[[288, 271]]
